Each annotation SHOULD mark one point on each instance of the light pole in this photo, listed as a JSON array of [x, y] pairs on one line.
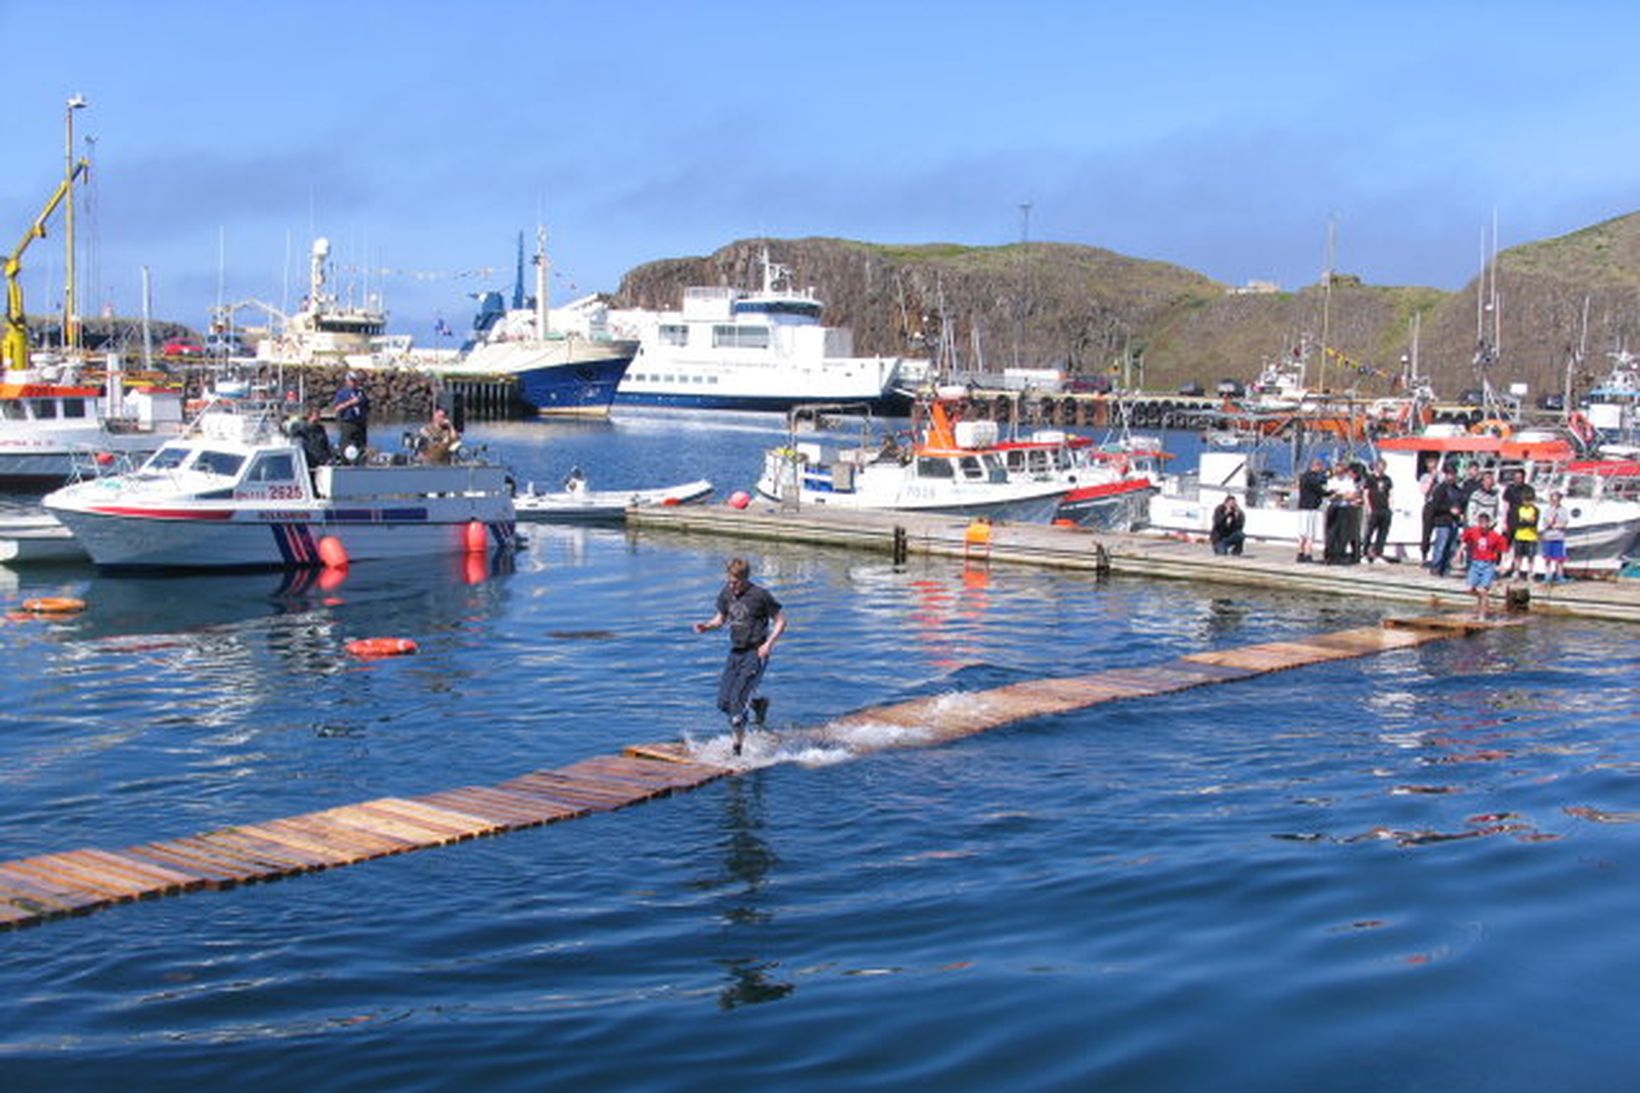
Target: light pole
[[71, 332]]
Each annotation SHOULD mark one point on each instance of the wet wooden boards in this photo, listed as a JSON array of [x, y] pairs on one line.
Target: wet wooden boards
[[80, 881]]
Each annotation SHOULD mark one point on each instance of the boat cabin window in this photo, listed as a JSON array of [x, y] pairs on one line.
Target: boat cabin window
[[273, 467], [12, 410], [167, 458], [74, 407], [740, 337], [972, 468], [226, 464], [673, 334], [44, 409], [931, 467], [993, 470]]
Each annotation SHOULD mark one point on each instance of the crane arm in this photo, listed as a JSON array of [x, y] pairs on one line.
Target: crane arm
[[14, 348]]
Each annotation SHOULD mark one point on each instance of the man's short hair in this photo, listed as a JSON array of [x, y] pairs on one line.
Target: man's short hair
[[738, 569]]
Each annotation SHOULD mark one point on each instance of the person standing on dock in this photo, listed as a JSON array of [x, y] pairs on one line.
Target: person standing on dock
[[1553, 537], [352, 408], [1485, 546], [1523, 531], [1447, 501], [1376, 488], [1312, 493], [756, 621]]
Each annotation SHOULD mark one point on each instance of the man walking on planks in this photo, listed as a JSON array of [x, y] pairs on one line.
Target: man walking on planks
[[755, 623]]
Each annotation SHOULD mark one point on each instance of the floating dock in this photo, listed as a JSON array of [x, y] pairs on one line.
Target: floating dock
[[1263, 565], [48, 886]]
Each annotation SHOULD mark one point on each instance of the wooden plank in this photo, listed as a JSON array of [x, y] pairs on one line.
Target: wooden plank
[[572, 795], [214, 875], [661, 753], [13, 917], [252, 864], [442, 824], [643, 772], [50, 869], [509, 810], [526, 807], [335, 845], [639, 788], [550, 783], [324, 829], [26, 889], [414, 836], [170, 878], [243, 862], [270, 854]]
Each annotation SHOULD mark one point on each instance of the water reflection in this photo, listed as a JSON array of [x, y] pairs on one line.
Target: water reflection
[[746, 863]]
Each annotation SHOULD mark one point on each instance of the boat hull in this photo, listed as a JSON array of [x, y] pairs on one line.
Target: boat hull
[[889, 403], [557, 377], [206, 538], [602, 506]]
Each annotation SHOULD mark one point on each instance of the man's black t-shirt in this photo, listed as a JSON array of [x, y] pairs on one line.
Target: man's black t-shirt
[[747, 615]]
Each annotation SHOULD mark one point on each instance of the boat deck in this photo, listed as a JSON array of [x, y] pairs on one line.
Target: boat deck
[[56, 885], [1262, 565]]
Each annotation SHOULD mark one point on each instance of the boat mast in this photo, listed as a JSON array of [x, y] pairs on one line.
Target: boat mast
[[1326, 305], [71, 327], [541, 282]]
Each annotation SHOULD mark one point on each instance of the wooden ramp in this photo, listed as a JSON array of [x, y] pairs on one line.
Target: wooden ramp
[[80, 881]]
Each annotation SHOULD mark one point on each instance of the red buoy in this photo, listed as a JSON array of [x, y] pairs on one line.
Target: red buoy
[[477, 537], [370, 648], [332, 553], [739, 499]]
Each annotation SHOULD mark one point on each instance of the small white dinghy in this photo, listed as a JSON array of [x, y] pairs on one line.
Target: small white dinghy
[[577, 504]]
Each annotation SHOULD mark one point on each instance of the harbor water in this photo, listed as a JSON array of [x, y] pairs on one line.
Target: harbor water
[[1415, 870]]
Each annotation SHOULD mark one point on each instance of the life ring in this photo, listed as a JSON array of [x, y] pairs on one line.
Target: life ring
[[1493, 427], [1581, 426], [53, 605], [381, 647]]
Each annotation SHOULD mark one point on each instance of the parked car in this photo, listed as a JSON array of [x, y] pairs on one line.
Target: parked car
[[182, 347], [1191, 390]]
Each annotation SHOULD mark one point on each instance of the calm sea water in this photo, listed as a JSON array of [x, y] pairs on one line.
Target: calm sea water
[[1412, 871]]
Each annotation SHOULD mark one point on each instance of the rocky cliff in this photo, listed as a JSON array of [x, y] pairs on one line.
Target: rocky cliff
[[1093, 311]]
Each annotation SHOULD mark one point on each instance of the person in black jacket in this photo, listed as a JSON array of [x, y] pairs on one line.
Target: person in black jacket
[[1312, 493], [1447, 502], [1228, 519]]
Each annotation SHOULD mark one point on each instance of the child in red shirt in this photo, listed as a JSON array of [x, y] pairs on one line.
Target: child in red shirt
[[1485, 547]]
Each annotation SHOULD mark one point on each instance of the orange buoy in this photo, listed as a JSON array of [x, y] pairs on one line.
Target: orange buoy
[[53, 605], [332, 577], [332, 553], [369, 648], [477, 537]]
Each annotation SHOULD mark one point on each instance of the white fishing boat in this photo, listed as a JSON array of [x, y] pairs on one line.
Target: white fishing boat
[[575, 503], [327, 330], [234, 491], [1106, 487], [559, 371], [56, 429], [764, 349], [949, 466]]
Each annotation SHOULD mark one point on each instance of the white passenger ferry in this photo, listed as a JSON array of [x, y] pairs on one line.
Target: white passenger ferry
[[765, 349]]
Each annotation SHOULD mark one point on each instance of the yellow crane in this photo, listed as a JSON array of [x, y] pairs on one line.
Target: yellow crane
[[14, 347]]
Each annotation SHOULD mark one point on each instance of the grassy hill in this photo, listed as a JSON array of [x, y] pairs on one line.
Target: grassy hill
[[1089, 309]]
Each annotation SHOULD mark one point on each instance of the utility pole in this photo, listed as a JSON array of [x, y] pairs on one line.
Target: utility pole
[[71, 331]]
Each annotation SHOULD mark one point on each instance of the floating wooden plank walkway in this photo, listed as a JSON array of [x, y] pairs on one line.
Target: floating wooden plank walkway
[[80, 881], [1263, 565]]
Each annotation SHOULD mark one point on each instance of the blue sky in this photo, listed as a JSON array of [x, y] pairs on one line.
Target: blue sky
[[421, 137]]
